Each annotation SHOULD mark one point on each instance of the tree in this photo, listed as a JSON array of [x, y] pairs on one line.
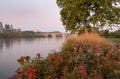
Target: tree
[[79, 14]]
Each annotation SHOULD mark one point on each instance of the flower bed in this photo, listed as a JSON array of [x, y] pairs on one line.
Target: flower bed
[[80, 58]]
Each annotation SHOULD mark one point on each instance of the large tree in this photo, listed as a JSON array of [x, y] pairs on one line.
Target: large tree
[[79, 14]]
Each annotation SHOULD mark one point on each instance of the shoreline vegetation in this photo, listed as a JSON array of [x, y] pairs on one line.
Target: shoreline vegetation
[[88, 56], [31, 34], [15, 35], [26, 34]]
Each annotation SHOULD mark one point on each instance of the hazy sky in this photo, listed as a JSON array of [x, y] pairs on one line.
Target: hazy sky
[[31, 14]]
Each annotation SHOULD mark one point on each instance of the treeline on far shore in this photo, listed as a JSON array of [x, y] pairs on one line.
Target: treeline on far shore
[[20, 35], [30, 34], [108, 34]]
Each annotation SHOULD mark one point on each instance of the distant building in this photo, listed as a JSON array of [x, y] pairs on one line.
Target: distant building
[[1, 27], [16, 30], [8, 27], [35, 31]]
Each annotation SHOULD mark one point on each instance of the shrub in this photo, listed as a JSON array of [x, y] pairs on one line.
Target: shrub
[[84, 57]]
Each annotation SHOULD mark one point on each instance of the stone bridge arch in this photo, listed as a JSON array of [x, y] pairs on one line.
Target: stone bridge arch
[[54, 35]]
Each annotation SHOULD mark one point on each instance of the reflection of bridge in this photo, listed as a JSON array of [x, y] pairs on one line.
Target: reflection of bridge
[[53, 35]]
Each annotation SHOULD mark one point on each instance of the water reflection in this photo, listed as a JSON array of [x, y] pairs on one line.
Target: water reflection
[[8, 43], [1, 45], [12, 49]]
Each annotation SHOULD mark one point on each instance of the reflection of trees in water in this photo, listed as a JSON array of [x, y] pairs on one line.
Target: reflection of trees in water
[[7, 43], [1, 44], [58, 39], [28, 39], [10, 42]]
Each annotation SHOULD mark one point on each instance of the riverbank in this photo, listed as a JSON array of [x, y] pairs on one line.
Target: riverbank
[[13, 77]]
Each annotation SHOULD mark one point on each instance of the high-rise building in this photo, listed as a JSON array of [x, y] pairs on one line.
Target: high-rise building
[[1, 27], [8, 27]]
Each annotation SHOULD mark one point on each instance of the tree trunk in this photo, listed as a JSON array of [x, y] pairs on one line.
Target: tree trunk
[[86, 31], [93, 29]]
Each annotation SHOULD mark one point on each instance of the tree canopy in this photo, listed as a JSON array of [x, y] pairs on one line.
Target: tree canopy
[[78, 14]]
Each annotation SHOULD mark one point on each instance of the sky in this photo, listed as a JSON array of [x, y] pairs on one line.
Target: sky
[[43, 15]]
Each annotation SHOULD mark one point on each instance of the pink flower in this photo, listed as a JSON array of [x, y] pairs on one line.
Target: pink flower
[[96, 53], [78, 45], [107, 55], [112, 60], [98, 60], [89, 51], [84, 73], [66, 68], [75, 51], [82, 67]]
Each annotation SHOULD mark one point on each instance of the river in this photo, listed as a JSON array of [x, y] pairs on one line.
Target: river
[[12, 49]]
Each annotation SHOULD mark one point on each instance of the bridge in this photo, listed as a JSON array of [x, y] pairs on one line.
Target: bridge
[[54, 35]]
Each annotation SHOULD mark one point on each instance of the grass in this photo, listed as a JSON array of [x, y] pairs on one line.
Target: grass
[[114, 40]]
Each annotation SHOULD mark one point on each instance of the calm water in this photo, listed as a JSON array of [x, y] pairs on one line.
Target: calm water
[[12, 49]]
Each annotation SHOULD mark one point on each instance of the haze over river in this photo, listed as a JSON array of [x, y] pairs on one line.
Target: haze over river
[[12, 49]]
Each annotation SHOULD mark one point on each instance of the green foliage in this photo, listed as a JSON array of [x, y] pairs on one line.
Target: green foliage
[[115, 34], [10, 35], [20, 35], [78, 14], [107, 34]]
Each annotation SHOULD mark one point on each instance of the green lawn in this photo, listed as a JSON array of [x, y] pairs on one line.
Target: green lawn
[[115, 40]]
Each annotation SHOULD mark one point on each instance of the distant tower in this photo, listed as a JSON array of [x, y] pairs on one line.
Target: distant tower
[[1, 27]]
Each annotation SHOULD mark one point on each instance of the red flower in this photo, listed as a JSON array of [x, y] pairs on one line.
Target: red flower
[[60, 58], [51, 57], [19, 75], [51, 78], [82, 67], [107, 55], [34, 70], [29, 69], [31, 74]]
